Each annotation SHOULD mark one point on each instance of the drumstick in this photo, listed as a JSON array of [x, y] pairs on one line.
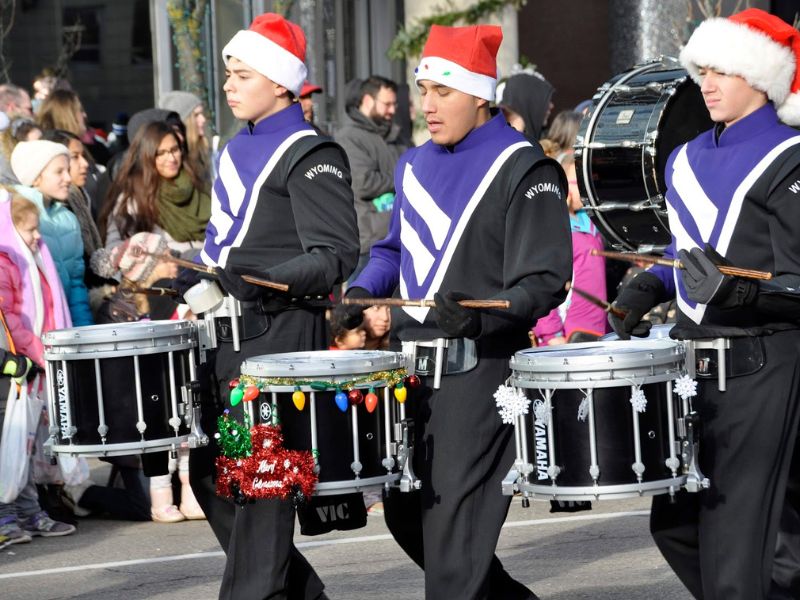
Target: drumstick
[[606, 306], [423, 303], [188, 264], [152, 291], [677, 264]]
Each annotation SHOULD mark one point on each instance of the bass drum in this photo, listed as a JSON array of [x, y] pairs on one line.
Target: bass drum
[[637, 119]]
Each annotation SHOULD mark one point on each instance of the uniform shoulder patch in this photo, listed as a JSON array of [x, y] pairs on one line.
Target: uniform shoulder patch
[[542, 188], [324, 168]]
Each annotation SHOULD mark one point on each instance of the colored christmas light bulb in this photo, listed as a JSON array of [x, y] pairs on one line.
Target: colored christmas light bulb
[[299, 398]]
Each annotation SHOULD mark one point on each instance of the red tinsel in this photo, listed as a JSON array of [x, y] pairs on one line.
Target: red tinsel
[[271, 471]]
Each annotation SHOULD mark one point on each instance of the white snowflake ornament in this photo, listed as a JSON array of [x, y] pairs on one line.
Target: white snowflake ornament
[[685, 387], [583, 409], [511, 403], [638, 400], [540, 414]]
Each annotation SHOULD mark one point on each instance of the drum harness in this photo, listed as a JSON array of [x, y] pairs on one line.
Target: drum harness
[[441, 356]]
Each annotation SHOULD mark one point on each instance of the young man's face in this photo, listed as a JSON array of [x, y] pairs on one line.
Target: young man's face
[[450, 114], [729, 98], [250, 95], [382, 107]]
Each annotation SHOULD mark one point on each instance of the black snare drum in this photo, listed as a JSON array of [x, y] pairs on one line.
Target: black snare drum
[[636, 121]]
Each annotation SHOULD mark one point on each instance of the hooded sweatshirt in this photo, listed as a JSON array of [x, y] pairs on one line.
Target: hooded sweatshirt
[[529, 96]]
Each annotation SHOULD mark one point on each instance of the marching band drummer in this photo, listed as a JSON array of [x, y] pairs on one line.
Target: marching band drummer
[[733, 199], [480, 213], [282, 210]]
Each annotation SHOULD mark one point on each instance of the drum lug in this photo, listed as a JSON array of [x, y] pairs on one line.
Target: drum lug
[[405, 456], [695, 480], [190, 393]]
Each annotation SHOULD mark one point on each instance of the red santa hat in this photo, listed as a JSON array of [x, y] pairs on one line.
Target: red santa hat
[[758, 46], [462, 58], [274, 47]]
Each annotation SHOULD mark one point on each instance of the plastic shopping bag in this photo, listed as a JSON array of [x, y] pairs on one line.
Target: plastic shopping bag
[[19, 430]]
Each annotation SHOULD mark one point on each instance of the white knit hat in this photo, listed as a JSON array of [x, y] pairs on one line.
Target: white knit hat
[[29, 159], [274, 47], [758, 46]]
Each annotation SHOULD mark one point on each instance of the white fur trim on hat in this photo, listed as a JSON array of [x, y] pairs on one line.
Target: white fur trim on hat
[[736, 49], [268, 58], [29, 159], [453, 75], [789, 111]]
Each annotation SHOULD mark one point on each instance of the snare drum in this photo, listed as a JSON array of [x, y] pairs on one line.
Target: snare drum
[[122, 388], [353, 450], [588, 435]]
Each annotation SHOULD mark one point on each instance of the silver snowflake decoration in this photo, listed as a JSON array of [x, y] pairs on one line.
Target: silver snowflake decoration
[[286, 464], [583, 409], [511, 403], [685, 387], [540, 413], [638, 400]]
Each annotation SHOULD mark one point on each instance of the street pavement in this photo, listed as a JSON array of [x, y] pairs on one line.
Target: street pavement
[[606, 553]]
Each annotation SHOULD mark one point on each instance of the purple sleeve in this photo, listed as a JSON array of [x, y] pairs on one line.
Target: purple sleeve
[[382, 273]]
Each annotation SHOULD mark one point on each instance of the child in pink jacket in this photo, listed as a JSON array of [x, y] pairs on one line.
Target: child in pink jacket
[[577, 319]]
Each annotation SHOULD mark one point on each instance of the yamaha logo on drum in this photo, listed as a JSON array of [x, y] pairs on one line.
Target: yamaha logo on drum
[[63, 399], [540, 437], [266, 412]]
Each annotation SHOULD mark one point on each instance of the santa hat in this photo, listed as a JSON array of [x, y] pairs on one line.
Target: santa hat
[[758, 46], [462, 58], [274, 47]]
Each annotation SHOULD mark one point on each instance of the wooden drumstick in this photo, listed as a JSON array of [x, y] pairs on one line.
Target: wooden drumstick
[[423, 303], [677, 264], [606, 306], [188, 264]]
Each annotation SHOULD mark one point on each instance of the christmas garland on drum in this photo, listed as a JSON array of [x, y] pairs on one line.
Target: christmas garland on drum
[[247, 388], [255, 465]]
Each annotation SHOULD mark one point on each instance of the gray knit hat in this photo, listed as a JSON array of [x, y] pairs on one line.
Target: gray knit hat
[[182, 103]]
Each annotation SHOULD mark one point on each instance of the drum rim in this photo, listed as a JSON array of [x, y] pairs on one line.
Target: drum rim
[[663, 351], [117, 332], [330, 363]]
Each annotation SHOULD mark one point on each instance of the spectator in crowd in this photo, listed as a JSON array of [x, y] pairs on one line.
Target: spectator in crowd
[[20, 129], [80, 203], [377, 323], [306, 101], [370, 139], [563, 132], [526, 102], [14, 103], [63, 110], [190, 109], [343, 338], [156, 191], [32, 302], [118, 138], [42, 168], [44, 84]]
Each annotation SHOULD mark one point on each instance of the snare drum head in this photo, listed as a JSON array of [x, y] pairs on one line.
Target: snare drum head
[[637, 119], [657, 332], [118, 339], [598, 364], [322, 363]]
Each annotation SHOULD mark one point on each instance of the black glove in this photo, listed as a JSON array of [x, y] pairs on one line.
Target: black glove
[[351, 315], [454, 319], [186, 279], [705, 283], [636, 299], [230, 278]]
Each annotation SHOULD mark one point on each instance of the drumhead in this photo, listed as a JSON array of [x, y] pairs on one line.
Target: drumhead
[[637, 119], [657, 332], [323, 363], [119, 339], [598, 364]]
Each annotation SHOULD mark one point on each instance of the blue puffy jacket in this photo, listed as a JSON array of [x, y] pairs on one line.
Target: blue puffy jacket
[[62, 234]]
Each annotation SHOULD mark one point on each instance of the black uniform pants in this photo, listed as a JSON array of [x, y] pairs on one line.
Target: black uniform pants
[[262, 561], [462, 452], [721, 542]]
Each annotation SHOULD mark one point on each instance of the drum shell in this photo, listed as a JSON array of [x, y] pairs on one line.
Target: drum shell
[[335, 432], [614, 431], [76, 358]]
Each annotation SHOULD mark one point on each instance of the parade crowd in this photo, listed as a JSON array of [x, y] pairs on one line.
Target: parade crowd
[[489, 208]]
